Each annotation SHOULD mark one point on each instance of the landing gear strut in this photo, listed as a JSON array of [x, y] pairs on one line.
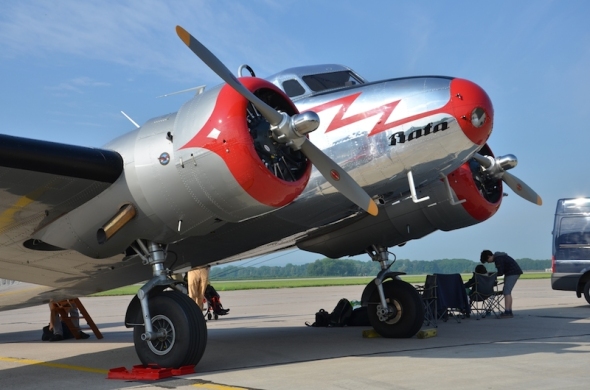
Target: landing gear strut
[[394, 307], [169, 330]]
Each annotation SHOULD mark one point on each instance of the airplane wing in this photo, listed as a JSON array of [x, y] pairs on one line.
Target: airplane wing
[[40, 182]]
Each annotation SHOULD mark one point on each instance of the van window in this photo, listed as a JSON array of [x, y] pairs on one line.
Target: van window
[[573, 240], [573, 206]]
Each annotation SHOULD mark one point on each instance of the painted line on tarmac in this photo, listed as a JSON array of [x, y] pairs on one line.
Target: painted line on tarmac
[[216, 386], [30, 362]]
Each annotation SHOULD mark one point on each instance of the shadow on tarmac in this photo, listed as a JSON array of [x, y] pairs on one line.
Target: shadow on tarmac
[[552, 330]]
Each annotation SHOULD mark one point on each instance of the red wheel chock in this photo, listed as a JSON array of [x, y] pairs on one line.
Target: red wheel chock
[[149, 373]]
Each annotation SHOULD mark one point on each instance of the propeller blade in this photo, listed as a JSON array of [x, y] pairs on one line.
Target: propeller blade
[[272, 115], [521, 189], [293, 130], [338, 177]]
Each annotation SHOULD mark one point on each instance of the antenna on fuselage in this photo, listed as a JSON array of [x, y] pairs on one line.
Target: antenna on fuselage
[[199, 90], [130, 120]]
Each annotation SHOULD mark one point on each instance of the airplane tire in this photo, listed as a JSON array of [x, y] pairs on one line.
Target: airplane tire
[[409, 315], [185, 328]]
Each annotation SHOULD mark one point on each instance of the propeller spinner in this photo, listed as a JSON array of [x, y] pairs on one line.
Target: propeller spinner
[[497, 168], [289, 130]]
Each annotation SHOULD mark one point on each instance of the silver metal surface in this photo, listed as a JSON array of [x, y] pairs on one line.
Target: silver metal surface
[[187, 197]]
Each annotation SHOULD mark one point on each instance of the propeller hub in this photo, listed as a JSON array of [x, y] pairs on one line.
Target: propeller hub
[[496, 168], [507, 162], [293, 130], [305, 123]]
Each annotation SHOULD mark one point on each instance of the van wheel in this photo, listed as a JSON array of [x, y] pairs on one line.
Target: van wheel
[[587, 291]]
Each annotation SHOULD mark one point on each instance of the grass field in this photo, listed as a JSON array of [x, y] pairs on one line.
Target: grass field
[[308, 282]]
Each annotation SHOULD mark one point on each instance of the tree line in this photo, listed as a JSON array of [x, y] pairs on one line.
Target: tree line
[[346, 267]]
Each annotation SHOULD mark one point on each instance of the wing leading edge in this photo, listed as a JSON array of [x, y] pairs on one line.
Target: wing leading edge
[[60, 159], [40, 182]]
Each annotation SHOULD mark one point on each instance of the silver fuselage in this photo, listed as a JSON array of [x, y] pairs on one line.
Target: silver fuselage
[[187, 197]]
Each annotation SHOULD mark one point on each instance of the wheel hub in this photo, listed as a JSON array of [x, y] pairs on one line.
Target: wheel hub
[[166, 335], [393, 313]]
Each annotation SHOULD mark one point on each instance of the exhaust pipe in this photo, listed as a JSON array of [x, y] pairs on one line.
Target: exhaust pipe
[[124, 215]]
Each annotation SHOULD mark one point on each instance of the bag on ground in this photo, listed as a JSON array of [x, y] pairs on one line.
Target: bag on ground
[[341, 313], [322, 319], [340, 316], [359, 317]]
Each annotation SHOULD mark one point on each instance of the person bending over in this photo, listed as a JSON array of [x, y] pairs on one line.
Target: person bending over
[[508, 267]]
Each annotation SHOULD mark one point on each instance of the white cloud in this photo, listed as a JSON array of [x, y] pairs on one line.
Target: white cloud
[[140, 34], [77, 84]]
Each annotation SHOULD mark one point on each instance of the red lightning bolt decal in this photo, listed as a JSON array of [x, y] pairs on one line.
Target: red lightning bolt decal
[[384, 111], [345, 103]]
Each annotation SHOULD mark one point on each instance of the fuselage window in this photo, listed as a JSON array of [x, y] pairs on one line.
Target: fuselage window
[[323, 81], [292, 88]]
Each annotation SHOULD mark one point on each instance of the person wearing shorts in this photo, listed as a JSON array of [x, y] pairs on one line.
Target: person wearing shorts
[[508, 267]]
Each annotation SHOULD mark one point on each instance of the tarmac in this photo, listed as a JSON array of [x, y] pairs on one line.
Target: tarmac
[[263, 343]]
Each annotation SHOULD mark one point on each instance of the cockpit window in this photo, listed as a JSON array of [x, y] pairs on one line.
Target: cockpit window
[[323, 81], [292, 88]]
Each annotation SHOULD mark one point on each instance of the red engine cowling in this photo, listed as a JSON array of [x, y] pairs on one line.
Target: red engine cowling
[[232, 166], [404, 220], [483, 195]]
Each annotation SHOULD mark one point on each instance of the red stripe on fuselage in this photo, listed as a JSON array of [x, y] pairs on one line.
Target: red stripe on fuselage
[[464, 97]]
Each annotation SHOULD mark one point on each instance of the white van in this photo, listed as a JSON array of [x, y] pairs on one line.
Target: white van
[[570, 263]]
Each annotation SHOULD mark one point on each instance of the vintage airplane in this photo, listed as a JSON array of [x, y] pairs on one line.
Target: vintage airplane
[[312, 157]]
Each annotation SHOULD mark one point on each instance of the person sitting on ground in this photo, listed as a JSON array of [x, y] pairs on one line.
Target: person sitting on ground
[[55, 330]]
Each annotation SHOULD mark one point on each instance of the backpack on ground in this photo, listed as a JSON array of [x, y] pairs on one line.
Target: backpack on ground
[[341, 313], [359, 317], [322, 319], [48, 334], [338, 317]]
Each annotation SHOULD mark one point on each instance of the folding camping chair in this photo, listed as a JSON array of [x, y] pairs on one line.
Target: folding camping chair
[[451, 297], [428, 294], [214, 308], [497, 302], [481, 294], [485, 297]]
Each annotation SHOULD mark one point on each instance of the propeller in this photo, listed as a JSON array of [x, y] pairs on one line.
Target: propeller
[[497, 168], [289, 130]]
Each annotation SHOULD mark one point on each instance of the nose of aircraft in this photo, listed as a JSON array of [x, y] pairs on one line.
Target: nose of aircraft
[[473, 110]]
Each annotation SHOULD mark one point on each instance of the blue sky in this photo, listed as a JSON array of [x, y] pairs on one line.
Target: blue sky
[[69, 67]]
